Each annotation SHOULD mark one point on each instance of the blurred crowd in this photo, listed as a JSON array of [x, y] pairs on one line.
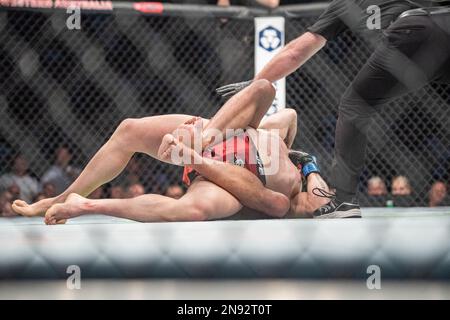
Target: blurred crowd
[[401, 194], [19, 183]]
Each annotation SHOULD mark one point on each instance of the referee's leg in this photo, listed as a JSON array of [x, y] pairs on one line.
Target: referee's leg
[[413, 52]]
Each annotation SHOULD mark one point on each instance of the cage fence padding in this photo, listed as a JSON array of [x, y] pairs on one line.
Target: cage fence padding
[[73, 87], [407, 247]]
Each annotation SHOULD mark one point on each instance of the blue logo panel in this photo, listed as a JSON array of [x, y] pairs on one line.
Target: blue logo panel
[[270, 38]]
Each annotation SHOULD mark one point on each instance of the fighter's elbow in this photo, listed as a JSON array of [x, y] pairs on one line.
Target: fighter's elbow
[[278, 206], [291, 114], [305, 46], [264, 92]]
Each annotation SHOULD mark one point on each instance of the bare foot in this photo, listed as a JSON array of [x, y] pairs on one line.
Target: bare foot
[[164, 151], [31, 210], [190, 133], [176, 152], [71, 208]]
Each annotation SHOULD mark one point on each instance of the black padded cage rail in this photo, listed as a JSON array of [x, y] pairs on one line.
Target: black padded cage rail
[[164, 9], [73, 87], [103, 247]]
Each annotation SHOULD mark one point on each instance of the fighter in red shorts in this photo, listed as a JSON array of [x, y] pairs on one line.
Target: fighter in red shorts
[[222, 189]]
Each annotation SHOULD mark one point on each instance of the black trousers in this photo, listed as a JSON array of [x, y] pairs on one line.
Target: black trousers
[[414, 51]]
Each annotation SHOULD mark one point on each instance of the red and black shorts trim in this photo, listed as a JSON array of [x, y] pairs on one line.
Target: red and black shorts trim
[[238, 150]]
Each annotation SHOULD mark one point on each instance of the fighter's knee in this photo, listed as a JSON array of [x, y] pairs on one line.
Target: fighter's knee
[[279, 206], [127, 129], [127, 125], [291, 113], [201, 211], [193, 211], [264, 87], [262, 84]]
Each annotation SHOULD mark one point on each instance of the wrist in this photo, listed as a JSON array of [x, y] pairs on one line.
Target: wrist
[[207, 138], [309, 169]]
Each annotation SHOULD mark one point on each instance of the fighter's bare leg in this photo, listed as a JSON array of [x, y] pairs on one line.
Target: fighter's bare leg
[[245, 186], [240, 182], [245, 109], [132, 135], [305, 203], [285, 121], [203, 201], [145, 135]]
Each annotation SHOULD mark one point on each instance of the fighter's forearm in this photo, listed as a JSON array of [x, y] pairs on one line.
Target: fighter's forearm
[[292, 57], [245, 186], [245, 109], [292, 132], [304, 203]]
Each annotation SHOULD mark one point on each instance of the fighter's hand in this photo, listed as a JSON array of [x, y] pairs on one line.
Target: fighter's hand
[[194, 121], [231, 89], [166, 148], [190, 133], [174, 151]]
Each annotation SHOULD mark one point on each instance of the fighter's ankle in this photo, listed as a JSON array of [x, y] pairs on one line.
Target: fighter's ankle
[[59, 199], [87, 206]]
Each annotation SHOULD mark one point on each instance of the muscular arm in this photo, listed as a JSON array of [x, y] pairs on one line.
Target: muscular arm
[[241, 183], [285, 121], [245, 186], [305, 203], [245, 109], [292, 57]]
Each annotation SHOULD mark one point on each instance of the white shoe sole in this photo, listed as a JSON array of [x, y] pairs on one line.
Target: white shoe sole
[[353, 213]]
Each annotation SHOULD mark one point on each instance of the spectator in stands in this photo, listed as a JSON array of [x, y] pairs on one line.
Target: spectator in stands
[[437, 195], [174, 191], [39, 197], [401, 192], [131, 175], [401, 186], [61, 174], [135, 190], [376, 193], [19, 177], [97, 193], [14, 191], [49, 190], [376, 187], [117, 192], [6, 199]]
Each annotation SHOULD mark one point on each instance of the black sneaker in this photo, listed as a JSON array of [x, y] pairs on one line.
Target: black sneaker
[[335, 209]]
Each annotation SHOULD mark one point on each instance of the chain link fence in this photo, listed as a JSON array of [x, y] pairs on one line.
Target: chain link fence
[[61, 87], [410, 136]]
